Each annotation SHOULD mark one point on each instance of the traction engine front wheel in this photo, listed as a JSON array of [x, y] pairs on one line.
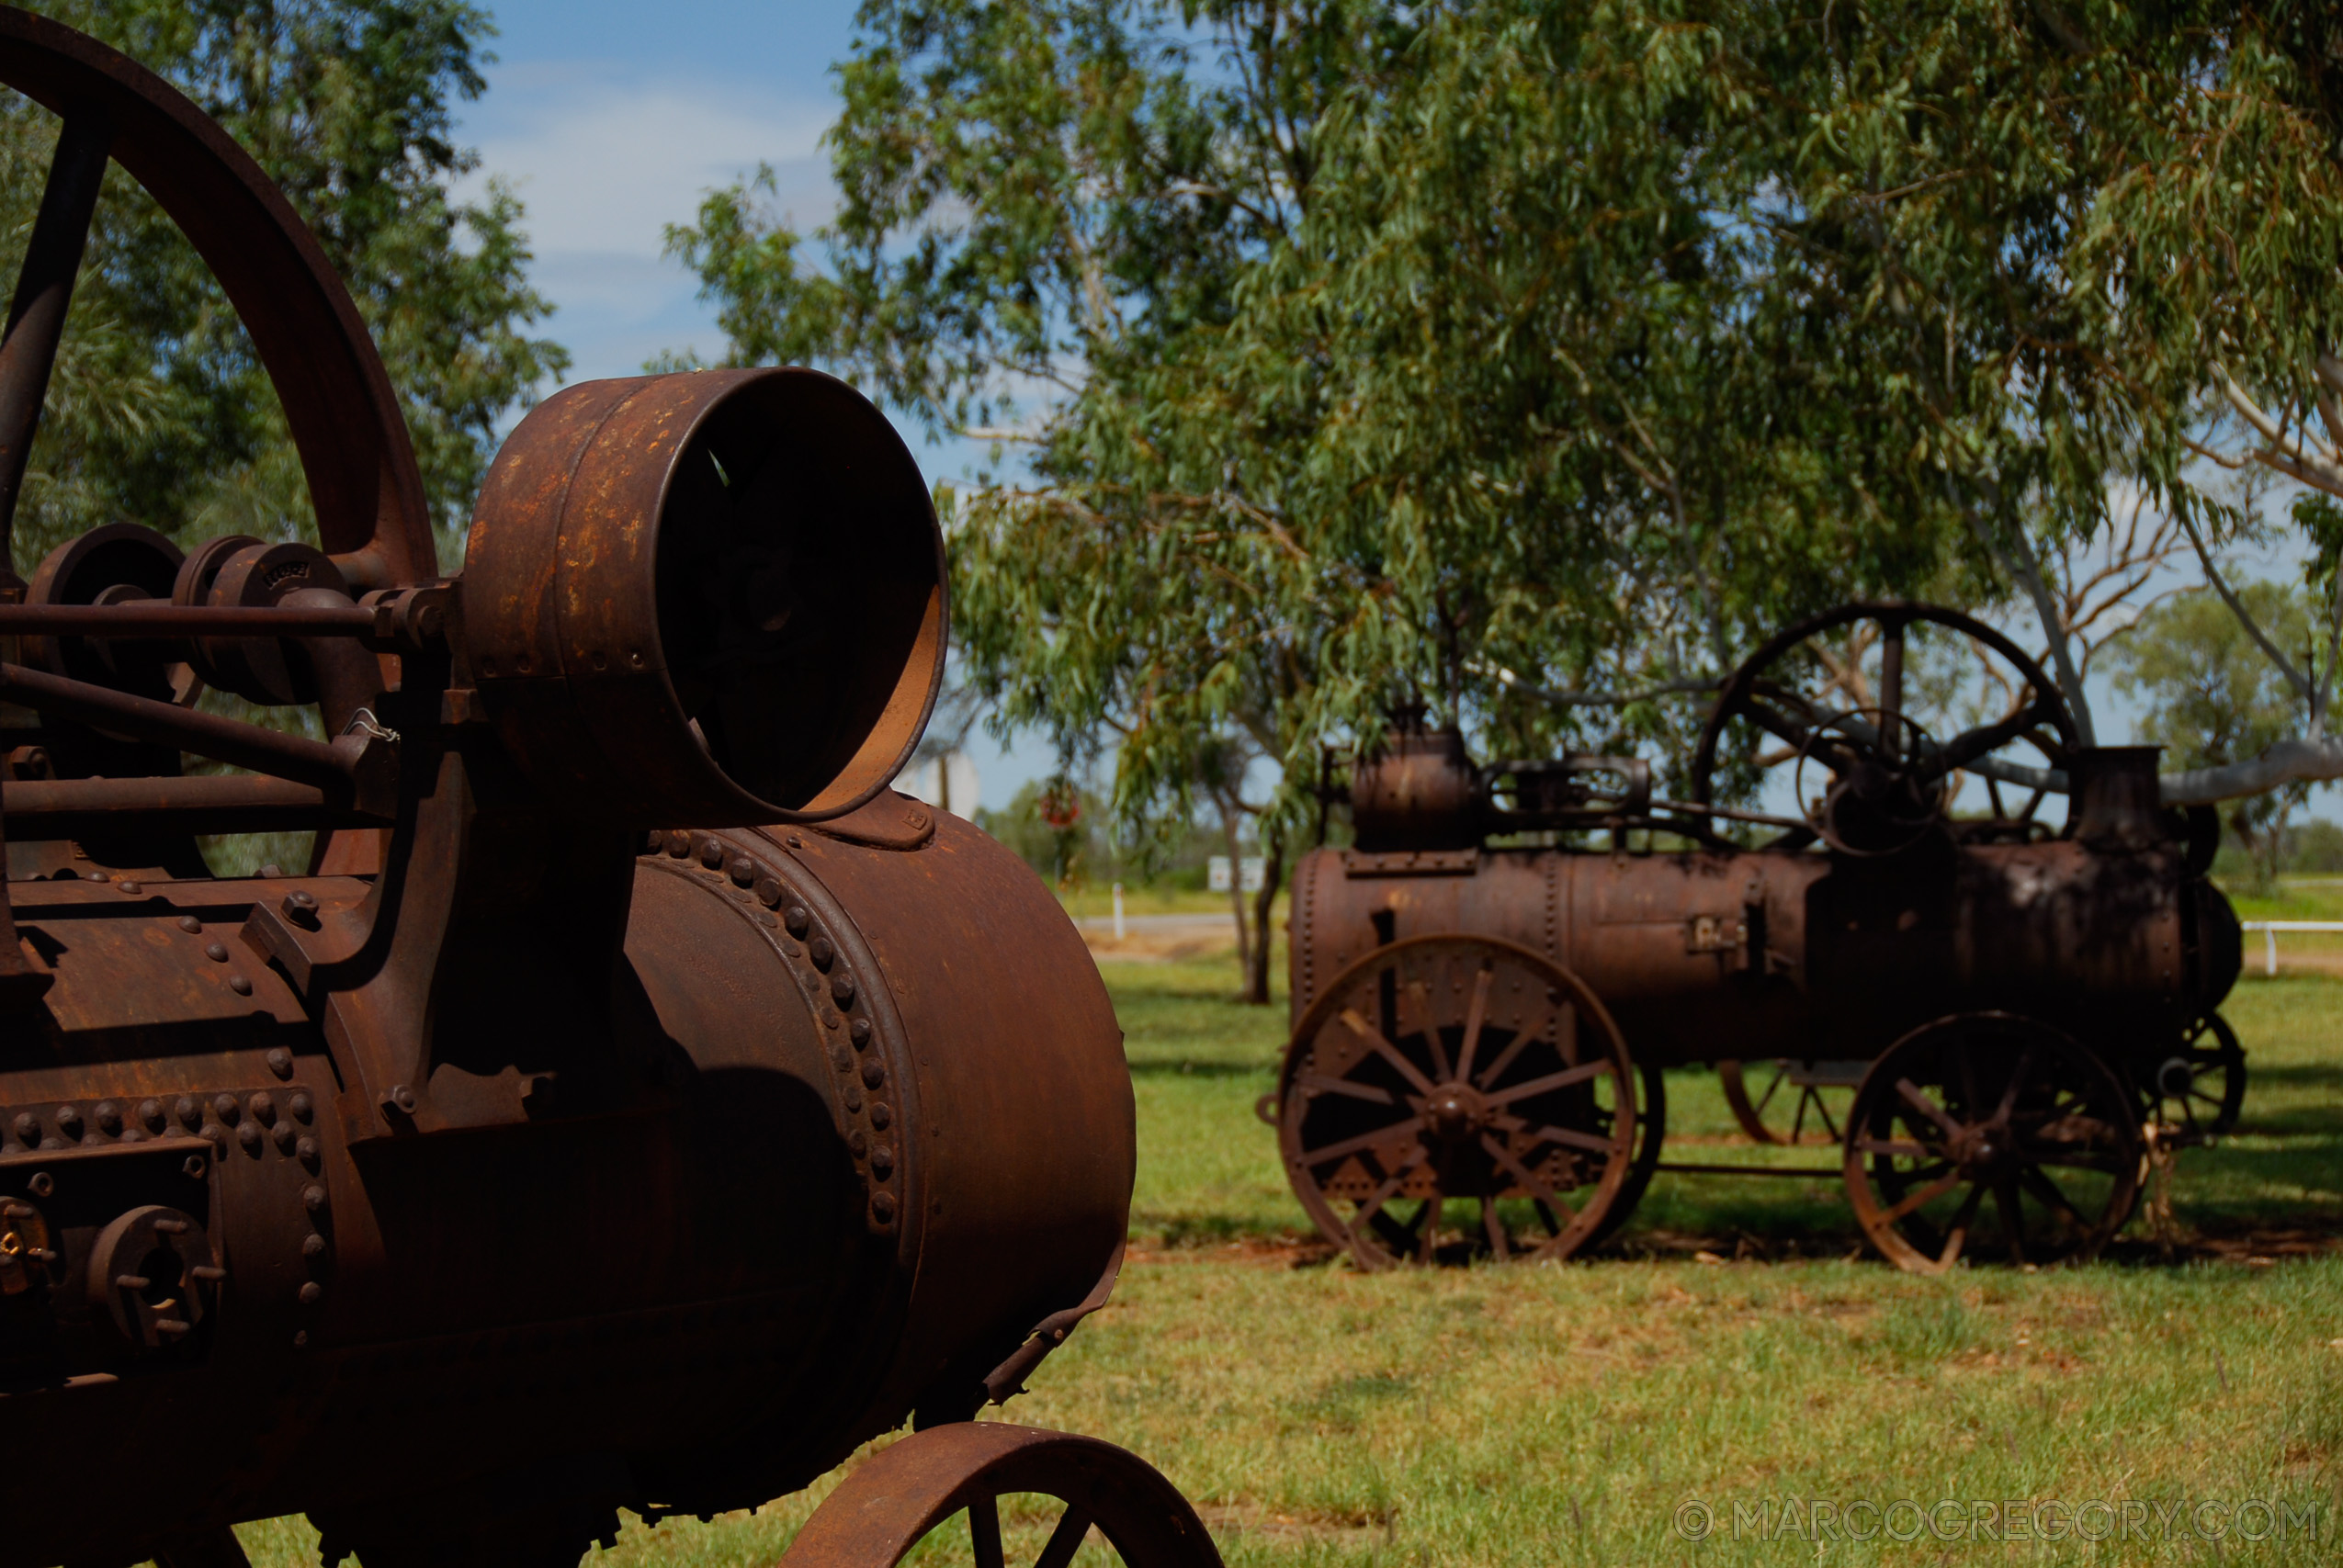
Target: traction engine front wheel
[[1449, 1097]]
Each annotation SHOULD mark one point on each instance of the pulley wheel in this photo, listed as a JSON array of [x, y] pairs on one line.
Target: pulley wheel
[[1449, 1097]]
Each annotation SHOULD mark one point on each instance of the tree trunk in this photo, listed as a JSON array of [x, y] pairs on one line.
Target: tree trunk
[[1236, 883], [1272, 874]]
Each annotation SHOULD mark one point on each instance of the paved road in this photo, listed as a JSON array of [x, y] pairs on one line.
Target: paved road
[[1155, 922]]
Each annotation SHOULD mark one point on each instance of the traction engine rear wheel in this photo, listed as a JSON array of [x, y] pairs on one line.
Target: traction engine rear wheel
[[1988, 1134], [1783, 1102], [896, 1499], [1458, 1097], [2201, 1088]]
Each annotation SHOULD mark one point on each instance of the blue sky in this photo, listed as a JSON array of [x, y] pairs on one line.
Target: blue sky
[[610, 120]]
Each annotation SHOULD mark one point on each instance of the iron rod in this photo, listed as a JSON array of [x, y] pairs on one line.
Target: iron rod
[[215, 803], [155, 618], [205, 735], [1810, 1174]]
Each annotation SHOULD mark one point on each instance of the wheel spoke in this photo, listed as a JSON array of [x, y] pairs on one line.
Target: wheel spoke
[[1956, 1235], [1551, 1082], [1319, 1083], [1382, 1195], [1384, 1048], [44, 291], [1918, 1100], [1913, 1199], [1572, 1138], [2017, 1082], [2037, 1181], [1065, 1541], [1381, 1136], [2014, 1217], [984, 1529], [1565, 1041], [1539, 1187], [1476, 1019], [1494, 1224], [1895, 1148]]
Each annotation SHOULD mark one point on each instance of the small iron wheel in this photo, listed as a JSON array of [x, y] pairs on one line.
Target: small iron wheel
[[1806, 1101], [2199, 1087], [1446, 1071], [894, 1499], [1992, 1106]]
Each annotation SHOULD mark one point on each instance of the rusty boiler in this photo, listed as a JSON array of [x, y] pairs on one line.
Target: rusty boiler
[[632, 1103]]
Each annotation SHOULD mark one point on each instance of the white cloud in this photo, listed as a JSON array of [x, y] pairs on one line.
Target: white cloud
[[603, 159]]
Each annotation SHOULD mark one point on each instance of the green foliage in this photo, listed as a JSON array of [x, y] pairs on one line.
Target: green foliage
[[1371, 353], [159, 411]]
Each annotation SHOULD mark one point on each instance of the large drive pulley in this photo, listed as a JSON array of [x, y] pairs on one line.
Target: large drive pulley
[[1870, 713]]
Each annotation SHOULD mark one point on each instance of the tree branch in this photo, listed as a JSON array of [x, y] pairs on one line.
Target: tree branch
[[2252, 628], [2027, 571]]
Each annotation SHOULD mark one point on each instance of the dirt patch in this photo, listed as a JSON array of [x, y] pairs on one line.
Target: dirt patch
[[1265, 1252], [1227, 1519], [1177, 946]]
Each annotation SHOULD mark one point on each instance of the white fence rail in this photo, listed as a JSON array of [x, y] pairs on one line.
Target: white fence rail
[[2270, 929]]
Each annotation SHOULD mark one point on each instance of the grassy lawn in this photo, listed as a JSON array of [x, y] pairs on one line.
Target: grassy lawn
[[1733, 1345]]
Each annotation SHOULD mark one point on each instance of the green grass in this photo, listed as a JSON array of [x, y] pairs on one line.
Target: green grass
[[1564, 1414]]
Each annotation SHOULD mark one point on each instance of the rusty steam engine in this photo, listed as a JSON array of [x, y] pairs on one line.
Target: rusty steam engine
[[1487, 984], [633, 1103]]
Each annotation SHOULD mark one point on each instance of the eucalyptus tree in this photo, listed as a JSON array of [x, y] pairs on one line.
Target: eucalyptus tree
[[159, 411], [1525, 360]]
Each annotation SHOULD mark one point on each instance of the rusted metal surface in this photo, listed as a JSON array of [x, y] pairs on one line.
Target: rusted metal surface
[[633, 1103], [1876, 913], [885, 1507]]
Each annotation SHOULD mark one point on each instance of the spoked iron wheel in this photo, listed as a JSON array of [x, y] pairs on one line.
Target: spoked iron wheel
[[1451, 1097], [1787, 1102], [2199, 1087], [895, 1499], [1873, 715], [1987, 1134]]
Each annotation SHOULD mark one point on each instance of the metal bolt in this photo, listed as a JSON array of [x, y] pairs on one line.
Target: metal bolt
[[853, 1098], [403, 1097], [839, 1059], [742, 870], [796, 843], [28, 1127], [306, 1152], [711, 852], [193, 1166], [873, 1074], [860, 1034], [286, 1132], [216, 953], [679, 843], [224, 1107], [768, 891], [797, 919], [299, 1104], [42, 1184], [857, 1141], [248, 1134], [170, 1228], [300, 907], [187, 1110], [842, 989], [820, 951], [69, 1121], [300, 1339], [264, 1108], [882, 1161], [880, 1116], [191, 925], [314, 1198], [238, 985], [128, 885], [882, 1208], [109, 1117], [281, 1062], [312, 1245], [150, 1112], [311, 1292]]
